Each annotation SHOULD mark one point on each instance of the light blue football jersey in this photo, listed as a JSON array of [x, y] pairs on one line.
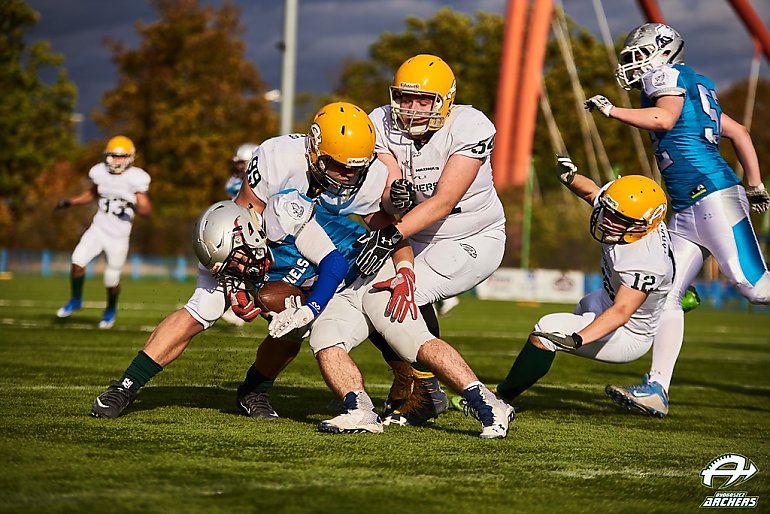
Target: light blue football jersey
[[290, 266], [688, 154]]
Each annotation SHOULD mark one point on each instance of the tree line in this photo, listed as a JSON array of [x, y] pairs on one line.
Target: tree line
[[187, 96]]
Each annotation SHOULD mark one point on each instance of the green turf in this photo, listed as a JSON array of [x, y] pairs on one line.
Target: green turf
[[181, 447]]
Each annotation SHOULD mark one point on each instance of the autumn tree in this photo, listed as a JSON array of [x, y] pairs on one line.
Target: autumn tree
[[188, 97], [35, 116]]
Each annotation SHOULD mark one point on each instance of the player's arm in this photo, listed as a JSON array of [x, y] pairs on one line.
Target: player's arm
[[661, 117], [744, 148], [582, 186], [394, 173], [143, 204], [457, 176], [627, 302], [247, 198], [87, 196]]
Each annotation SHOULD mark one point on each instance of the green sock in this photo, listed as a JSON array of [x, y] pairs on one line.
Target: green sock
[[530, 365], [256, 381], [77, 286], [139, 372], [421, 367]]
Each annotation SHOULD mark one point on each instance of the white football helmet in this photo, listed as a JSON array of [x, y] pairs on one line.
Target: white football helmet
[[230, 242], [646, 47], [245, 152]]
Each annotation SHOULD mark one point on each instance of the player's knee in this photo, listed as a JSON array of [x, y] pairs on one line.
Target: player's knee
[[537, 343], [111, 277]]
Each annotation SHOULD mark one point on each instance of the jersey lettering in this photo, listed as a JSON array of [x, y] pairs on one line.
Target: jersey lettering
[[710, 104], [252, 173]]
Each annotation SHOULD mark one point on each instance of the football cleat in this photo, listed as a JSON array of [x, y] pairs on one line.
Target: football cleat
[[690, 299], [108, 318], [649, 398], [444, 306], [232, 318], [426, 402], [112, 402], [359, 416], [256, 405], [403, 379], [495, 415], [72, 305]]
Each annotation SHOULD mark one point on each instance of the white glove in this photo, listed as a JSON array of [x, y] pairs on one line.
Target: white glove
[[294, 316], [600, 103], [758, 198], [567, 169]]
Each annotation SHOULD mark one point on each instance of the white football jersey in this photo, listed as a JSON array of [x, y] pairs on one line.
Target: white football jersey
[[116, 197], [466, 131], [646, 265], [281, 164]]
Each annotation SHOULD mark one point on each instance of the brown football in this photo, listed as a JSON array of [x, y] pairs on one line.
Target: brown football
[[272, 296]]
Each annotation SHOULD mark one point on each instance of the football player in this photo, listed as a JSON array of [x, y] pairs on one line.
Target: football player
[[440, 182], [243, 155], [679, 108], [618, 322], [240, 160], [333, 164], [120, 190]]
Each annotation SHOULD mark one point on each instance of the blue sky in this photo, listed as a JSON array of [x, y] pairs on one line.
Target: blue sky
[[331, 31]]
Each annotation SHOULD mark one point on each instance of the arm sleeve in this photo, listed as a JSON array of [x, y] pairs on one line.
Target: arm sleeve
[[331, 272]]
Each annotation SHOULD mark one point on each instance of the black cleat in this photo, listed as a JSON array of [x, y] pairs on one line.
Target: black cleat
[[112, 402], [256, 405]]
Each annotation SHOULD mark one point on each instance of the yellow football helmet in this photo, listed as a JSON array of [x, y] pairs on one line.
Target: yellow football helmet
[[343, 133], [630, 208], [427, 75], [119, 154]]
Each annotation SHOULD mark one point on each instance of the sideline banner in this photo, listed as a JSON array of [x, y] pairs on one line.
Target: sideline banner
[[536, 285]]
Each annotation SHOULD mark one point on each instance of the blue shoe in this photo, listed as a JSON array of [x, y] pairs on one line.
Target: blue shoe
[[72, 305], [108, 318], [649, 398]]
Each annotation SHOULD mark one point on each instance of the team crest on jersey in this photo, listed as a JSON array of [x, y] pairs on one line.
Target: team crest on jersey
[[659, 78], [296, 210]]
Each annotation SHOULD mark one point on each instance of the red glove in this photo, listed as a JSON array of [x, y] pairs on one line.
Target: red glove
[[402, 295], [243, 305]]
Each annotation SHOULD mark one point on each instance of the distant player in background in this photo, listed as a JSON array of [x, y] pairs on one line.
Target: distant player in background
[[440, 181], [618, 322], [240, 161], [121, 192], [711, 207]]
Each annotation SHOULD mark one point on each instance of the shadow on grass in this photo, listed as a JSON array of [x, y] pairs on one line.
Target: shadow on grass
[[298, 403]]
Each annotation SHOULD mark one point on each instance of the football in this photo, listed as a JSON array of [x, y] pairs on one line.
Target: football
[[271, 296]]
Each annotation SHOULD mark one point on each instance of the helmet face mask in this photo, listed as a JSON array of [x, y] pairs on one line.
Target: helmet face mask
[[340, 149], [629, 209], [427, 77], [230, 242], [646, 47], [119, 154]]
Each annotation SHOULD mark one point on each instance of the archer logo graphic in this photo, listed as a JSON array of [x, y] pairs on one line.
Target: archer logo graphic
[[725, 471]]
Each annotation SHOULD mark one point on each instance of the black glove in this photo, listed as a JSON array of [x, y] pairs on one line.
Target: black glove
[[377, 247], [63, 204], [571, 342], [758, 198], [402, 194]]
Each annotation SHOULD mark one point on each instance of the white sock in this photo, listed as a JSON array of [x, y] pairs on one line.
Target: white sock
[[665, 349]]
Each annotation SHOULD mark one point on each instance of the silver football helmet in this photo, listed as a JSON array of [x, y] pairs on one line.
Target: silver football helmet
[[244, 152], [230, 242], [646, 47]]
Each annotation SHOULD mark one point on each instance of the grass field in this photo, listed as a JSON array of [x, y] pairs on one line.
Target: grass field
[[181, 447]]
